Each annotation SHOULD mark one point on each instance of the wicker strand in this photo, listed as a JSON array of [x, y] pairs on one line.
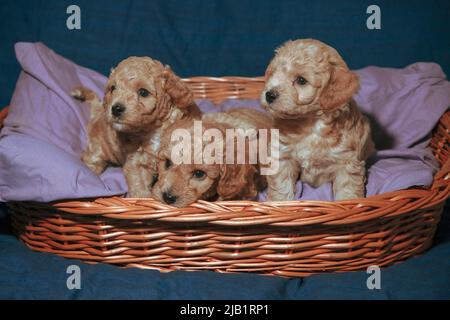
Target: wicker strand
[[291, 238]]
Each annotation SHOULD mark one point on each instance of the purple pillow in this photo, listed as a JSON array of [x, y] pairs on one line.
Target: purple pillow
[[45, 131]]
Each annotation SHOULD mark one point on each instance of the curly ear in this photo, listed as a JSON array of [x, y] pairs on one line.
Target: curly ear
[[179, 93], [343, 84], [237, 182]]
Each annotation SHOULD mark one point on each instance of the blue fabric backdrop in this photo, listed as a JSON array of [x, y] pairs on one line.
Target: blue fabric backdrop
[[30, 275], [201, 37], [220, 38]]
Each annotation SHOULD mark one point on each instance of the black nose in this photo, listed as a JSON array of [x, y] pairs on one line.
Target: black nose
[[271, 96], [117, 110], [169, 198]]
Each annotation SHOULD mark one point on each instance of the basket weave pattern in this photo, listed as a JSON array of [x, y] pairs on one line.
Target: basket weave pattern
[[292, 238]]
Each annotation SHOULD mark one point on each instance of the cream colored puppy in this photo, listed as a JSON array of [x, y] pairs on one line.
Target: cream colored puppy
[[323, 135]]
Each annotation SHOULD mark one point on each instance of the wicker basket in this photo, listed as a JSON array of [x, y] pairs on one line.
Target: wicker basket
[[295, 238]]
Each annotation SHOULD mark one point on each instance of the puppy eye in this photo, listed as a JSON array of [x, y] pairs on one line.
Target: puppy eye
[[301, 81], [198, 174], [167, 164], [112, 88], [143, 92], [154, 180]]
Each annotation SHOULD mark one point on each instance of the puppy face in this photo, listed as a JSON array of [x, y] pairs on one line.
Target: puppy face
[[306, 78], [182, 184], [142, 92]]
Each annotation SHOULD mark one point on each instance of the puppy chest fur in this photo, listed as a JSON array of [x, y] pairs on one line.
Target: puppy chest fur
[[324, 137], [320, 146]]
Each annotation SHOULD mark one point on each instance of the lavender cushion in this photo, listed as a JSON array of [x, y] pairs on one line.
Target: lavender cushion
[[45, 131]]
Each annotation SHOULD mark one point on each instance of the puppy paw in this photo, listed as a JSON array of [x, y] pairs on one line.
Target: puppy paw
[[83, 94], [98, 170], [139, 194], [275, 197], [78, 94], [348, 195], [94, 167]]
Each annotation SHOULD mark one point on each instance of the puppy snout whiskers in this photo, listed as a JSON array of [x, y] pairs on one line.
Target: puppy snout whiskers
[[117, 110], [169, 198], [271, 96]]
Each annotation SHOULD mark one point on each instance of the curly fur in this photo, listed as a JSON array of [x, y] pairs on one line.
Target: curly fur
[[222, 181], [324, 137], [116, 139]]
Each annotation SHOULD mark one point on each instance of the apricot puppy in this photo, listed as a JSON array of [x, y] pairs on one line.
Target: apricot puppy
[[142, 98], [184, 183], [323, 135]]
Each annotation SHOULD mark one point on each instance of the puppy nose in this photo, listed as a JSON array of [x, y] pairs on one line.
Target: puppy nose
[[271, 96], [169, 198], [117, 110]]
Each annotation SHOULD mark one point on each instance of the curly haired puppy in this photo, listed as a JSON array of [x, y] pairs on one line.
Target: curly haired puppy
[[323, 135], [184, 183], [142, 98]]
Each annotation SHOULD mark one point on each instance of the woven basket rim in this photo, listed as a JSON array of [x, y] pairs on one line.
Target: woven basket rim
[[289, 238], [221, 213]]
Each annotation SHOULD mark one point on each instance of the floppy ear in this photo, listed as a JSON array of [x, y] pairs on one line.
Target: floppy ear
[[343, 84], [269, 71], [237, 181], [179, 93], [107, 96]]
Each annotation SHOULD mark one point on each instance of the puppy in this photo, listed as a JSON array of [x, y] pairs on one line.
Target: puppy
[[142, 98], [184, 183], [323, 135]]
